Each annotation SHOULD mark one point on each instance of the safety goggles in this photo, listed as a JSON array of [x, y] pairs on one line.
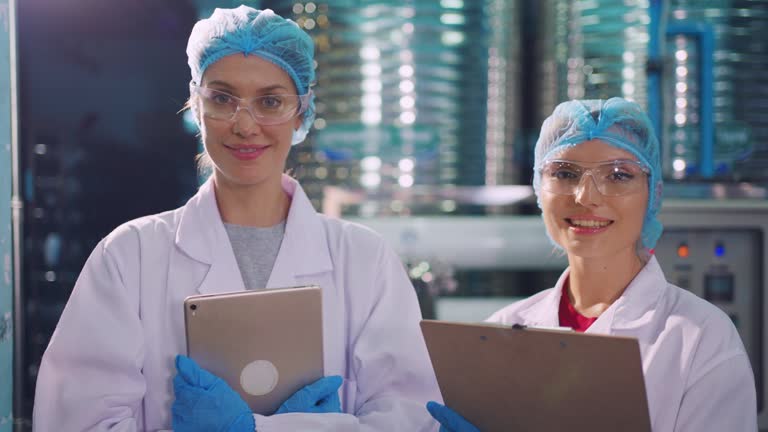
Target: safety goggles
[[265, 110], [612, 178]]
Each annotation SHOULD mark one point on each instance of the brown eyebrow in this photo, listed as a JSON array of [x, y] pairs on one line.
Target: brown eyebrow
[[266, 89], [219, 84], [274, 87]]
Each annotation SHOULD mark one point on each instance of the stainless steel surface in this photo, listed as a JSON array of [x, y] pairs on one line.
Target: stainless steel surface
[[740, 89], [466, 242], [591, 49], [396, 81], [337, 199], [747, 193], [413, 93], [16, 219], [504, 92]]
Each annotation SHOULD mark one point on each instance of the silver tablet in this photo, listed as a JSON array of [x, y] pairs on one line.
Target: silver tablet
[[265, 344], [503, 378]]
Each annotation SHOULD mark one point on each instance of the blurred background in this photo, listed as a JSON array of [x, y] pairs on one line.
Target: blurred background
[[427, 113]]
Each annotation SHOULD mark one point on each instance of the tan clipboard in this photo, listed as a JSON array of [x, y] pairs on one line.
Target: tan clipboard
[[503, 378]]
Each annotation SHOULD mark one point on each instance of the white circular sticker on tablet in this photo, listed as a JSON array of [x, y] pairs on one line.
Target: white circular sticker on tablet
[[259, 377]]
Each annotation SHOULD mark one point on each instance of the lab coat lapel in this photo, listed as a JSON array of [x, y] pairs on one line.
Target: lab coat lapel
[[202, 237], [304, 249], [629, 313], [638, 304], [545, 312]]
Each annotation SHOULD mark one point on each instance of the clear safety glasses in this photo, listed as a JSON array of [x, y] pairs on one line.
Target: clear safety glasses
[[612, 178], [265, 110]]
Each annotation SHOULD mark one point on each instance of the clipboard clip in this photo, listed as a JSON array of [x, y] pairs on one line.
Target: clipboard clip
[[525, 327]]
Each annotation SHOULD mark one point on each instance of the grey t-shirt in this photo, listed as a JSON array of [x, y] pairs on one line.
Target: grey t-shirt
[[255, 250]]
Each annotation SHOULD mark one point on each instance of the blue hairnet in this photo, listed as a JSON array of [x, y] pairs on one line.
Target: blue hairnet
[[618, 122], [256, 32]]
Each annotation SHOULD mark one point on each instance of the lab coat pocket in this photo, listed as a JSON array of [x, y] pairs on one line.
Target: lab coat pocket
[[349, 396]]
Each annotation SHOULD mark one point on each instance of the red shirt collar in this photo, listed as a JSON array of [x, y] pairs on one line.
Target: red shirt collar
[[569, 316]]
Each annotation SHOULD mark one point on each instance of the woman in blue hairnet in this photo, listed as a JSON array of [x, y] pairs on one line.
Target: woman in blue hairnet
[[113, 363], [597, 176]]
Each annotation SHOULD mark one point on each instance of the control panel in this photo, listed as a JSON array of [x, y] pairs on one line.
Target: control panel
[[718, 249], [723, 266]]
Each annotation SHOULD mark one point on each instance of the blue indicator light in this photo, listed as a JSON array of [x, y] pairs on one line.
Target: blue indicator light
[[719, 250]]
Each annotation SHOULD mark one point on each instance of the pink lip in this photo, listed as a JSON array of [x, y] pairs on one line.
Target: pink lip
[[588, 230], [247, 152], [588, 217]]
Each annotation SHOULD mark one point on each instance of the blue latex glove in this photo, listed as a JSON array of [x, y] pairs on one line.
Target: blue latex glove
[[205, 403], [449, 420], [322, 396]]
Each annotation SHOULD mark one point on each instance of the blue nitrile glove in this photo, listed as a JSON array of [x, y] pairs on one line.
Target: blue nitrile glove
[[449, 420], [322, 396], [205, 403]]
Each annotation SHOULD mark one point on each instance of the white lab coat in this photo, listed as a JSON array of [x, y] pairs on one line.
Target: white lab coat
[[697, 373], [110, 363]]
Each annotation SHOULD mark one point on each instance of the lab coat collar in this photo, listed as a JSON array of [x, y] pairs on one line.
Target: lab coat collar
[[201, 236], [637, 305], [200, 225], [633, 309], [545, 312], [304, 250]]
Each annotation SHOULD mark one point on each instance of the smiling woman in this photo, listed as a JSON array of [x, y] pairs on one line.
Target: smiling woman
[[580, 216], [248, 149], [250, 226], [597, 179]]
